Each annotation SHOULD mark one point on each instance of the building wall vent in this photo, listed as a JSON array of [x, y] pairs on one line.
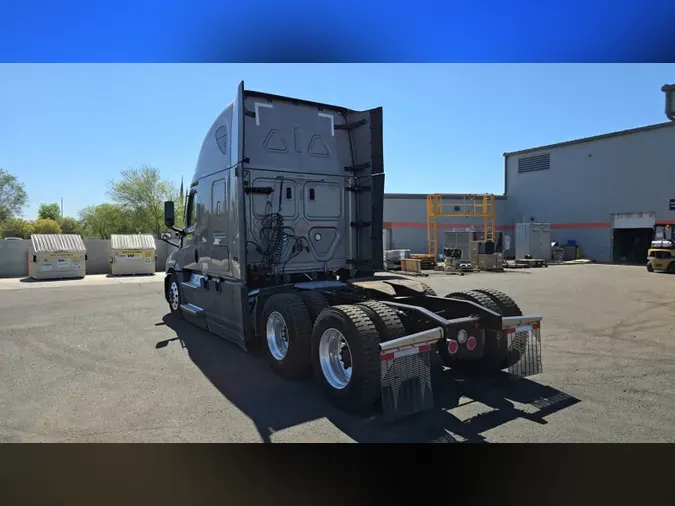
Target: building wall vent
[[533, 163]]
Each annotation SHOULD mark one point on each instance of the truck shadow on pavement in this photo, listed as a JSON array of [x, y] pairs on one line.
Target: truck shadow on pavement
[[275, 404]]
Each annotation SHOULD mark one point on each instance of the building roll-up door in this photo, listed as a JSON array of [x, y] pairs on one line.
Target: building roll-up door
[[634, 220]]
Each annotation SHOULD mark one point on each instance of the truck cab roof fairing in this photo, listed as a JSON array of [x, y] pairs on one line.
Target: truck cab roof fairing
[[216, 152]]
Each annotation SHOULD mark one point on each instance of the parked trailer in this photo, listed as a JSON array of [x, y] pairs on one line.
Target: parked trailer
[[282, 249]]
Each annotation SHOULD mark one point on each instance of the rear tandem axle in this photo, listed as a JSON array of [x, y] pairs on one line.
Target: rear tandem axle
[[373, 340]]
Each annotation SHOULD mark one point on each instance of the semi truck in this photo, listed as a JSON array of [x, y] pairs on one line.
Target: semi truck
[[281, 251]]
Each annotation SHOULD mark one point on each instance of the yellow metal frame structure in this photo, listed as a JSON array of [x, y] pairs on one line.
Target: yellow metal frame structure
[[472, 206]]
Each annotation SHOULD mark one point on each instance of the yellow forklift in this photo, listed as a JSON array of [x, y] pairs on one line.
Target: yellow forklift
[[660, 257]]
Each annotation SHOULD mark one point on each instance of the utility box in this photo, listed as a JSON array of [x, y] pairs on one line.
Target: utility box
[[56, 256], [493, 262], [533, 239], [460, 239], [132, 254], [463, 239]]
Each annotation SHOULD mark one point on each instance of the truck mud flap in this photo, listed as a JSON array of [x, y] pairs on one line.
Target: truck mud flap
[[524, 346], [406, 382]]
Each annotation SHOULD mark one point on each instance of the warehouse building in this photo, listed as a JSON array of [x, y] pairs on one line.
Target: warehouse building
[[605, 193]]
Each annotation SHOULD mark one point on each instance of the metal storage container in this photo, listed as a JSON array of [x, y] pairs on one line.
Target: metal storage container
[[132, 254], [387, 240], [533, 239], [460, 239], [56, 256]]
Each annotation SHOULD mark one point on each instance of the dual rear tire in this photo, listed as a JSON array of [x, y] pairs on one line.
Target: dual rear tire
[[286, 331], [302, 334], [345, 357], [496, 353]]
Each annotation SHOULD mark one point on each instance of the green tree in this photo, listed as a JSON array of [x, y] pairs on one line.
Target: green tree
[[17, 227], [142, 193], [49, 212], [70, 226], [13, 196], [46, 227], [105, 219]]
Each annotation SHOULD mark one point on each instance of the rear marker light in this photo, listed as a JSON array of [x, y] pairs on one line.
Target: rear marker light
[[422, 348], [471, 343], [453, 346], [461, 336]]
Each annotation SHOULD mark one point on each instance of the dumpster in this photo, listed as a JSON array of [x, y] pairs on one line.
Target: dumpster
[[132, 254], [56, 256]]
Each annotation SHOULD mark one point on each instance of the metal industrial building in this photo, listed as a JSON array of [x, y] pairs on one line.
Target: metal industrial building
[[606, 193]]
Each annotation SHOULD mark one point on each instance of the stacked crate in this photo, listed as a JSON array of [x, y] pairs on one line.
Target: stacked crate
[[428, 262]]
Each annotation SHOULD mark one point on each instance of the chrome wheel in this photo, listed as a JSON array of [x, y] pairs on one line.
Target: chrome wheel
[[335, 358], [277, 335], [174, 296]]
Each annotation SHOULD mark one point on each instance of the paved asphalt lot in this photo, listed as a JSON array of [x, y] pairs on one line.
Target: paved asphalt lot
[[79, 362]]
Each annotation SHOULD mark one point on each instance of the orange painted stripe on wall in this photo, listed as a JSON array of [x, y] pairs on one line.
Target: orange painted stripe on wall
[[413, 224], [601, 224]]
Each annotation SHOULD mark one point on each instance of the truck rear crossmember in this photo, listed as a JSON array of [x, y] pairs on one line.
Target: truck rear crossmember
[[412, 353]]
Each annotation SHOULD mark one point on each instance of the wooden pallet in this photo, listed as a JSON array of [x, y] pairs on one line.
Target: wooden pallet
[[416, 274], [427, 262], [532, 262], [514, 265], [525, 263], [412, 267]]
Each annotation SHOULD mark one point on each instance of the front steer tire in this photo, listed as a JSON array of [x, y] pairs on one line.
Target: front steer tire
[[295, 363], [174, 296], [363, 387]]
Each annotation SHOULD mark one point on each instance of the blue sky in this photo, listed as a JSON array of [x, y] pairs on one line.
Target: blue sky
[[66, 130]]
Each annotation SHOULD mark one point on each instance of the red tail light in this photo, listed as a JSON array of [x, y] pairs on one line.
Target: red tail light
[[471, 343], [453, 346]]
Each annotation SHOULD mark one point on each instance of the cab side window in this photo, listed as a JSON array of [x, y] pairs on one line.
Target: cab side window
[[218, 197], [192, 209]]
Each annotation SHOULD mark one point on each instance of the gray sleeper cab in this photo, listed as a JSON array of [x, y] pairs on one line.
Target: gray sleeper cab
[[281, 243]]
